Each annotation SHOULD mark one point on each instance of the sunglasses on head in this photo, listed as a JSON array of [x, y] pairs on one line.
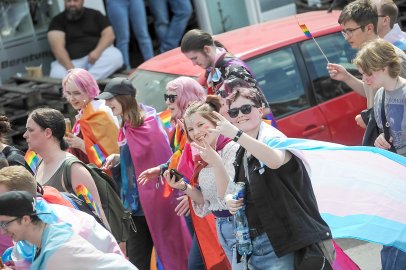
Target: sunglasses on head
[[245, 109], [170, 97]]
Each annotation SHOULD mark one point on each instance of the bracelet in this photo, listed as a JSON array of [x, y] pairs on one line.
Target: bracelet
[[183, 189], [238, 135]]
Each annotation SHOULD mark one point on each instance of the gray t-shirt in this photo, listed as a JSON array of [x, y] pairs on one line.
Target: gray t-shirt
[[395, 107], [370, 93]]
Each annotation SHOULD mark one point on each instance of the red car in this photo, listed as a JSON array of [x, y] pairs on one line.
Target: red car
[[289, 68]]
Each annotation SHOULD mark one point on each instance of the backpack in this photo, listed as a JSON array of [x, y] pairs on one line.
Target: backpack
[[119, 219], [53, 196]]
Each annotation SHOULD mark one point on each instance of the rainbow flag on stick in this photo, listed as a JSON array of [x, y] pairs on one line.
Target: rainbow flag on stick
[[32, 160], [307, 33], [83, 193], [100, 158], [166, 118]]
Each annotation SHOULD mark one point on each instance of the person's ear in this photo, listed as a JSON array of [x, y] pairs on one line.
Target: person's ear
[[48, 132], [207, 49], [370, 27]]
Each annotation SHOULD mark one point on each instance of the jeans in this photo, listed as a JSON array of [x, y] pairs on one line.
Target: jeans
[[392, 258], [120, 13], [170, 32], [195, 259], [226, 236], [264, 257], [109, 61]]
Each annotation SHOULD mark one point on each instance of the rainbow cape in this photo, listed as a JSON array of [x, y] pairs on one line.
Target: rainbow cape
[[32, 160], [360, 191]]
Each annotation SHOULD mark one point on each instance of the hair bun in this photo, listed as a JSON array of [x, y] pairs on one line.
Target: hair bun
[[214, 102]]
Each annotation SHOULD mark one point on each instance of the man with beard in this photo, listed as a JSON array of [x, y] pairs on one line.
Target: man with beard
[[82, 38]]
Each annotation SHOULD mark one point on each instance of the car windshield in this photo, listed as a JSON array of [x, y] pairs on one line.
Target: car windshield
[[151, 86]]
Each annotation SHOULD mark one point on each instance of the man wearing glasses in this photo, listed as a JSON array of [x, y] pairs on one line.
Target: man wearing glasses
[[359, 21], [388, 29]]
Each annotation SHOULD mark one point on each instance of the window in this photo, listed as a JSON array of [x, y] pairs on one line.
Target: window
[[279, 78], [338, 51]]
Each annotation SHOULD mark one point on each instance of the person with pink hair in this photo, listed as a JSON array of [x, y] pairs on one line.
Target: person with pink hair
[[180, 92], [94, 134]]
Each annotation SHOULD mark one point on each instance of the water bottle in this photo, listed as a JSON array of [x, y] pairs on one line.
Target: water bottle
[[241, 229]]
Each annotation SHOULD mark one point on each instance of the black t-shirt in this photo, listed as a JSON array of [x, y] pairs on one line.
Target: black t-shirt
[[81, 36]]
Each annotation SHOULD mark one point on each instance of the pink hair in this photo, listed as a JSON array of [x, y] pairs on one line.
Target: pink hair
[[83, 80], [187, 91]]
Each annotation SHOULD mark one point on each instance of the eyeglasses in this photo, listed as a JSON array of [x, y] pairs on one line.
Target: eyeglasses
[[348, 32], [5, 224], [245, 109], [170, 97]]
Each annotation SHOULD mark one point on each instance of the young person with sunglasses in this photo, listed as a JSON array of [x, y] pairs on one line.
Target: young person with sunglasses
[[180, 92], [206, 193], [359, 22], [280, 205]]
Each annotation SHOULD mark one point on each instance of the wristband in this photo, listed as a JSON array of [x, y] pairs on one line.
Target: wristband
[[183, 189], [238, 135]]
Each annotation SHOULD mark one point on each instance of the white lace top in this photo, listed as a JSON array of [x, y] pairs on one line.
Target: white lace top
[[207, 183]]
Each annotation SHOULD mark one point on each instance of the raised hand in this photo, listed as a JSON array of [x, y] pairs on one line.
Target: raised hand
[[149, 174], [75, 141], [224, 127], [207, 153], [337, 72]]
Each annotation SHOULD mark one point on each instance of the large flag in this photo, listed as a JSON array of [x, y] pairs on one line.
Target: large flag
[[360, 191]]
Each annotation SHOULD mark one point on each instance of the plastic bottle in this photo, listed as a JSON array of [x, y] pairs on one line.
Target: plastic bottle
[[241, 229]]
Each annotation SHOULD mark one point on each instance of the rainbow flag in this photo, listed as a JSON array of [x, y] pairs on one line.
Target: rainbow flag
[[305, 30], [166, 118], [100, 158], [32, 160], [83, 193]]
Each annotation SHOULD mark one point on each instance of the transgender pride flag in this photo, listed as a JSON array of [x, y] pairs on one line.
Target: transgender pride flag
[[360, 191]]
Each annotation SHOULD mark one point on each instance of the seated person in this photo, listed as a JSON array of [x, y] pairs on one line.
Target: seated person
[[82, 38]]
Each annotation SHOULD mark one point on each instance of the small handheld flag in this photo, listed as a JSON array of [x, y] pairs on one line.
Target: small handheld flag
[[307, 33], [32, 160], [166, 118], [305, 30]]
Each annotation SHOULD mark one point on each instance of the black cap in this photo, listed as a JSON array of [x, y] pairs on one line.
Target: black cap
[[17, 204], [117, 87]]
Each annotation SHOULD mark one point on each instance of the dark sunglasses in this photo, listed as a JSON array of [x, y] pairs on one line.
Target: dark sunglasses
[[170, 97], [245, 109]]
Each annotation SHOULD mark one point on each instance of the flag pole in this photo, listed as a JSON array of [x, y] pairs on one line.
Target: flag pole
[[320, 49]]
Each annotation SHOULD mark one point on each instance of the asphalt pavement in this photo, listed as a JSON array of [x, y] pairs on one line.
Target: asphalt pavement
[[366, 255]]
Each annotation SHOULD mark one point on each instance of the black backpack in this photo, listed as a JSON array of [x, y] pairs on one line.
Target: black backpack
[[119, 219]]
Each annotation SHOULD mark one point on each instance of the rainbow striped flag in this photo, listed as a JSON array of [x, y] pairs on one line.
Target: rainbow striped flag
[[32, 160], [166, 118], [83, 193], [100, 158], [305, 30]]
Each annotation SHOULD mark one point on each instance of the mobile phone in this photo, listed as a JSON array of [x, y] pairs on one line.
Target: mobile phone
[[175, 173]]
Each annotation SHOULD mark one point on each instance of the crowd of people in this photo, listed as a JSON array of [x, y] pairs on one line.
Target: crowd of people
[[180, 185]]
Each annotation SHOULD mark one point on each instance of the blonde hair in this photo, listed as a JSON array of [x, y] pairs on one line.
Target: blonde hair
[[204, 109], [18, 178], [376, 55]]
